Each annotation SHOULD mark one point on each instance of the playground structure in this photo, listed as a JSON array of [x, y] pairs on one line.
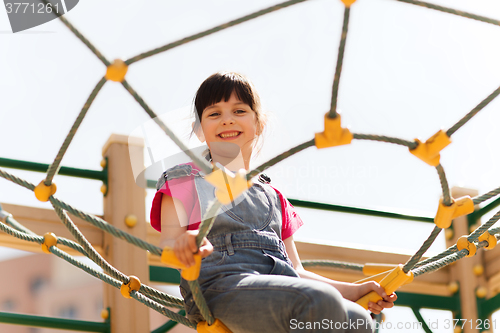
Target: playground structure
[[478, 277]]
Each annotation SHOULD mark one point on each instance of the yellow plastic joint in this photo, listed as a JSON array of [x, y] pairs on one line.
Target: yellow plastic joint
[[49, 239], [391, 282], [191, 273], [491, 239], [228, 185], [116, 71], [216, 327], [348, 3], [429, 151], [333, 135], [463, 243], [133, 284], [43, 192], [370, 269], [459, 207]]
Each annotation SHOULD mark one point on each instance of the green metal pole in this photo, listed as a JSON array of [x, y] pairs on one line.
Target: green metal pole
[[58, 323], [486, 209], [343, 209], [361, 211], [168, 325], [65, 171]]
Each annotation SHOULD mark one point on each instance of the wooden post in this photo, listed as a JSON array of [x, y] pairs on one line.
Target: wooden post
[[125, 197], [462, 270]]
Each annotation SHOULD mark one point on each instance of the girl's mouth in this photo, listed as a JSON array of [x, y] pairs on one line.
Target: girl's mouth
[[229, 135]]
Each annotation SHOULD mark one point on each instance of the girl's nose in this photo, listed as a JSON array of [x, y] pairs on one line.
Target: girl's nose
[[228, 121]]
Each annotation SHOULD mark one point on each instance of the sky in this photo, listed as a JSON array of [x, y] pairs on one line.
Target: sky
[[408, 72]]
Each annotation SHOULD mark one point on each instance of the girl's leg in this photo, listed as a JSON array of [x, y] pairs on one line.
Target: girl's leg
[[275, 303]]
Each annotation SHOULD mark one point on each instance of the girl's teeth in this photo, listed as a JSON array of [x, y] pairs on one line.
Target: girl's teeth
[[229, 135]]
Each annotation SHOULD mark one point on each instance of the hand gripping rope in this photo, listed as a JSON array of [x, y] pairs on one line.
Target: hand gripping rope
[[190, 274], [391, 282]]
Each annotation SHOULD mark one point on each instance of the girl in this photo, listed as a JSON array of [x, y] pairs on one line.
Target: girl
[[251, 275]]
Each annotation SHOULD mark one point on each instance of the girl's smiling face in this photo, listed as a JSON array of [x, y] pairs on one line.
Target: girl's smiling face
[[233, 121]]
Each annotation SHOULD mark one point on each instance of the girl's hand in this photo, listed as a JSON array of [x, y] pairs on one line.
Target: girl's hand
[[185, 247], [387, 301]]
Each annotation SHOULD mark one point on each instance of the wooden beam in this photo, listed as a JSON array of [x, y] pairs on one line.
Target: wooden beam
[[124, 198], [40, 221], [462, 271]]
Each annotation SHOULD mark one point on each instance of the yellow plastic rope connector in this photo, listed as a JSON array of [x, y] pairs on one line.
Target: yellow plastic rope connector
[[333, 135], [372, 269], [491, 239], [116, 71], [377, 277], [49, 239], [463, 243], [391, 282], [228, 185], [190, 274], [216, 327], [429, 151], [133, 284], [43, 192], [459, 207], [348, 3]]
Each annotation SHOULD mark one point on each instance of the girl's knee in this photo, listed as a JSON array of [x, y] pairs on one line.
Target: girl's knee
[[359, 318], [324, 302]]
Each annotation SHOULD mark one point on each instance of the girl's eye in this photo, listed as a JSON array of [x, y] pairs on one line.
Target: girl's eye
[[213, 114], [240, 111]]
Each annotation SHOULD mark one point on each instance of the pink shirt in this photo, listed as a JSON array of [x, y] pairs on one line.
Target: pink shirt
[[184, 190]]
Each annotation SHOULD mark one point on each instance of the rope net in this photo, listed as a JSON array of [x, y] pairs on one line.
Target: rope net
[[160, 301]]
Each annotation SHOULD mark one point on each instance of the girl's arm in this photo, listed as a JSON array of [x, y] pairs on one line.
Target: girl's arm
[[350, 291], [174, 233]]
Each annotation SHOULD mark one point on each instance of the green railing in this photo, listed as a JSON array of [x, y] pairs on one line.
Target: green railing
[[58, 323], [168, 325], [65, 171]]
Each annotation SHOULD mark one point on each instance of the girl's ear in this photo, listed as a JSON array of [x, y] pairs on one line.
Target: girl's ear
[[260, 126], [198, 131]]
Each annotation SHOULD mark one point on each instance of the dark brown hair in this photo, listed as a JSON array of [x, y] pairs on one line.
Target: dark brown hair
[[220, 86]]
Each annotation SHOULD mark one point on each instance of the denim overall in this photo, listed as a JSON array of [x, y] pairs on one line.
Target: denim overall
[[248, 281]]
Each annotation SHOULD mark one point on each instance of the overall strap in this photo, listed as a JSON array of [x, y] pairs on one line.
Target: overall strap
[[178, 171]]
